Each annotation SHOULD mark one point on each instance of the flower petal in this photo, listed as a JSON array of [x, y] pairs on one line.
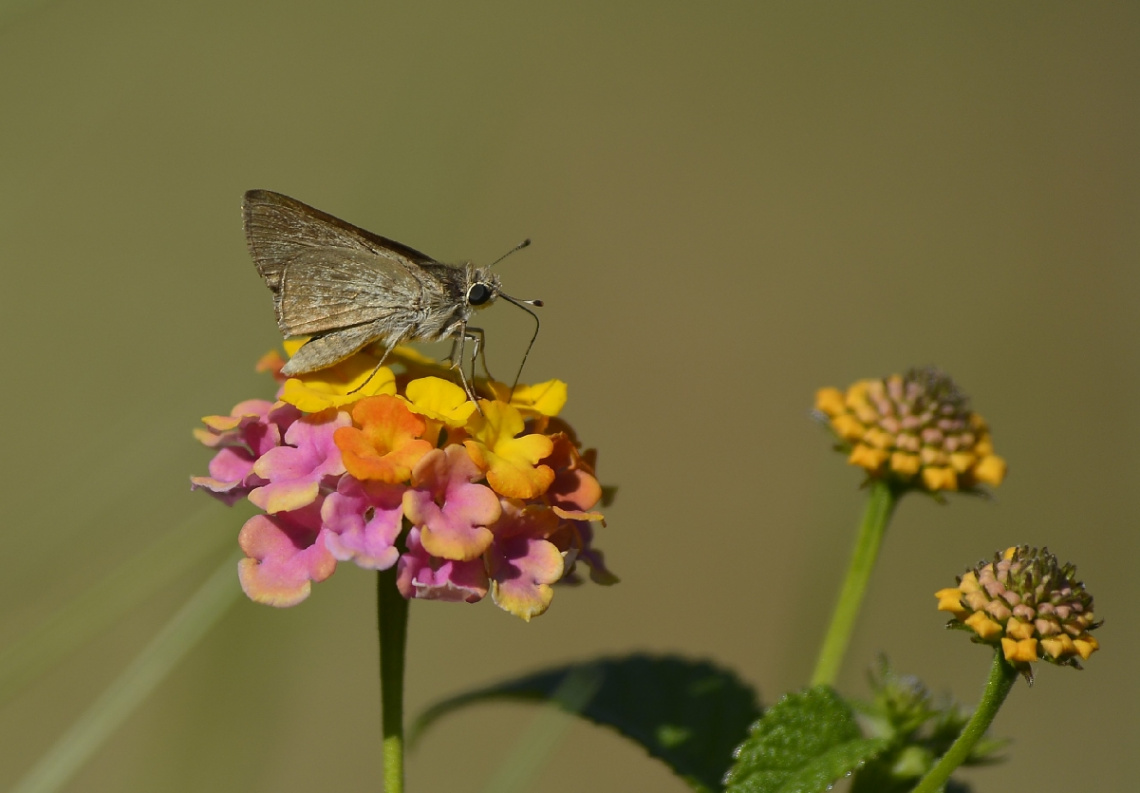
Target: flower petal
[[339, 385], [511, 463], [387, 444], [295, 472], [544, 399], [574, 486], [284, 556], [364, 519], [522, 563], [421, 575], [451, 511], [441, 400]]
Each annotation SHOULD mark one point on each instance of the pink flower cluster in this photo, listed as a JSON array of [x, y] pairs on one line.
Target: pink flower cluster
[[462, 499]]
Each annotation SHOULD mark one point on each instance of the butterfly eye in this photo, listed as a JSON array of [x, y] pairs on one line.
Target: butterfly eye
[[478, 294]]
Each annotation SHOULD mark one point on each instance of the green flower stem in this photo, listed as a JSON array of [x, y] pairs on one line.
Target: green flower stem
[[880, 504], [1002, 675], [392, 619]]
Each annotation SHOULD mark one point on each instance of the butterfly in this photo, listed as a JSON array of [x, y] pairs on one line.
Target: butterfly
[[347, 288]]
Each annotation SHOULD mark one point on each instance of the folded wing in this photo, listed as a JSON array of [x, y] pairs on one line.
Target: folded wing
[[327, 275]]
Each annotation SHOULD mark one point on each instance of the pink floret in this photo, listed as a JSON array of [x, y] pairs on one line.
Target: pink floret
[[286, 553], [363, 521]]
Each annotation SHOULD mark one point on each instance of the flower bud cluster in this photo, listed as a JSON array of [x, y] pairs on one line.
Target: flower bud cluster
[[1027, 603], [914, 430]]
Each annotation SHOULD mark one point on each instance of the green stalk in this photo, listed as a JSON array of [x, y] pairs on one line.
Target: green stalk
[[881, 503], [392, 620], [1002, 675]]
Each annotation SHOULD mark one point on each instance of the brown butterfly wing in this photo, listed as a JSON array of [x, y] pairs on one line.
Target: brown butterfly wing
[[326, 274]]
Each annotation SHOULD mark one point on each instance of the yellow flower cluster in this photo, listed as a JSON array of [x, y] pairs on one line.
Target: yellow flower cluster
[[1029, 604], [915, 430]]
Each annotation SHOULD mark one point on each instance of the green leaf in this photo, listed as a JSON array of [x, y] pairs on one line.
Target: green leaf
[[688, 714], [803, 744], [919, 728]]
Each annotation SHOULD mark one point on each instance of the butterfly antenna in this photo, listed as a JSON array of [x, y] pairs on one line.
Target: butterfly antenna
[[525, 243], [537, 324]]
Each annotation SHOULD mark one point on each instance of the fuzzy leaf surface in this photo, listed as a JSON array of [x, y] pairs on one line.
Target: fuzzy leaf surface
[[803, 744]]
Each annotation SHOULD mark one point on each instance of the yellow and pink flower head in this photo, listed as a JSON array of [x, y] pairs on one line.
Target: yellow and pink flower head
[[402, 469]]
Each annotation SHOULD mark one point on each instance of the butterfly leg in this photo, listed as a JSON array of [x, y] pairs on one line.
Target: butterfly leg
[[456, 356], [390, 346], [478, 350], [450, 357]]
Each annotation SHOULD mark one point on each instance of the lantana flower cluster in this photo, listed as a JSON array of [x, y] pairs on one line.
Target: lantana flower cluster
[[380, 469], [913, 430], [1027, 603]]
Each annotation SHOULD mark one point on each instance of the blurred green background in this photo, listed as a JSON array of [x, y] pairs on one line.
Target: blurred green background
[[731, 205]]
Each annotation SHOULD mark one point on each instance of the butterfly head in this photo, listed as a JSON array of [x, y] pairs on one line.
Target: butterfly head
[[482, 288]]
